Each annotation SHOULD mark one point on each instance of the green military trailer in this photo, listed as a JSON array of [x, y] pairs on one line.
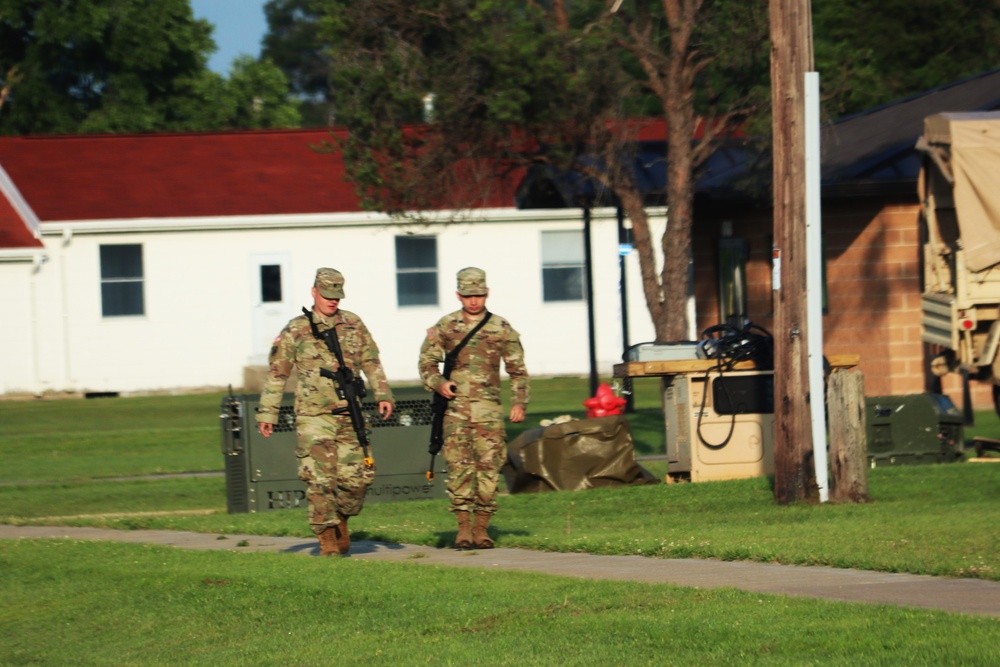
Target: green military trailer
[[262, 473]]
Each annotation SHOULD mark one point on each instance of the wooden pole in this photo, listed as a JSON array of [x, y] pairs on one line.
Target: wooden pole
[[848, 444], [791, 58]]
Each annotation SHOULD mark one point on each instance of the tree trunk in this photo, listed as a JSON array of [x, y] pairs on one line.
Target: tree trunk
[[848, 444]]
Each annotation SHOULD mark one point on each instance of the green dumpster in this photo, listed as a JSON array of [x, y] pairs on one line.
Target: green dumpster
[[916, 428]]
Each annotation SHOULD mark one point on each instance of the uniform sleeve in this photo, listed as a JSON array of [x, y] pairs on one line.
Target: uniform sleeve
[[513, 360], [281, 360], [431, 357], [371, 364]]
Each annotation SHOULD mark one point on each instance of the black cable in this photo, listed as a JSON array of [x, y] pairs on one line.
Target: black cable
[[751, 343]]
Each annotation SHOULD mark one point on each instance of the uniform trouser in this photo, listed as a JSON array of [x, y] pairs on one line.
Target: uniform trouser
[[331, 463], [474, 452]]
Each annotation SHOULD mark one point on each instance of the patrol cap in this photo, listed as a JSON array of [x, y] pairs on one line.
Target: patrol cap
[[472, 282], [330, 283]]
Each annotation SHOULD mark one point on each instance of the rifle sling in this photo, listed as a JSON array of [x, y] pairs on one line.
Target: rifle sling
[[458, 348], [329, 337]]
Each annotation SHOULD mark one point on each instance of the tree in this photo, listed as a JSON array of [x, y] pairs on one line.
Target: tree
[[293, 43], [932, 43], [524, 84], [698, 60], [256, 93], [87, 66]]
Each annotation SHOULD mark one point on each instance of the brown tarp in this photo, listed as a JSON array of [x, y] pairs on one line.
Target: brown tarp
[[576, 455], [973, 140]]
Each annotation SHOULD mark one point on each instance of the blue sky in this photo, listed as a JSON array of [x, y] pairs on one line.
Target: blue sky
[[239, 27]]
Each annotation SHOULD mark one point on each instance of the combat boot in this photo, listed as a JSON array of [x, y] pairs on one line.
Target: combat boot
[[464, 538], [343, 536], [328, 542], [480, 538]]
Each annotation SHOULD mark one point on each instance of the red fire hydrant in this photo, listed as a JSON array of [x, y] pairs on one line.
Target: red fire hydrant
[[604, 403]]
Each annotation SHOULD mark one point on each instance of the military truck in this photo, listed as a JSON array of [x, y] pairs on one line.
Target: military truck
[[959, 188]]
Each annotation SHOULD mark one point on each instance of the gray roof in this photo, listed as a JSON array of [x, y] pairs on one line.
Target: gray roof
[[876, 147]]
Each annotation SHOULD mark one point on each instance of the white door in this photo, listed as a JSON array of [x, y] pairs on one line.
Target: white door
[[272, 304]]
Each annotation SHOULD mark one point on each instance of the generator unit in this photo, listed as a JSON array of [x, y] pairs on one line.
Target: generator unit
[[262, 473], [916, 428], [719, 425]]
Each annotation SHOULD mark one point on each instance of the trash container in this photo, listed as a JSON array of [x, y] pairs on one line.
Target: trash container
[[916, 428], [262, 473]]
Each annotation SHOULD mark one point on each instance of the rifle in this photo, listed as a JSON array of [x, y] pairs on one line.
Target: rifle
[[440, 404], [349, 386]]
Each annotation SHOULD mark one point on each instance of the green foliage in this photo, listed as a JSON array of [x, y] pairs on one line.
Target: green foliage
[[99, 66], [502, 82], [293, 44], [869, 54]]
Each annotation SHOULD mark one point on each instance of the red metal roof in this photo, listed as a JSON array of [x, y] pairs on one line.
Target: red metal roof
[[97, 177], [178, 175]]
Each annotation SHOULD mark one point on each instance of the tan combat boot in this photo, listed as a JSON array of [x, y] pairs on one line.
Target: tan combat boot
[[343, 536], [480, 538], [328, 542], [464, 538]]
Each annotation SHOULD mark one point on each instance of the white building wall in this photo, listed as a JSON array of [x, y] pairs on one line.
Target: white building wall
[[197, 330], [18, 323]]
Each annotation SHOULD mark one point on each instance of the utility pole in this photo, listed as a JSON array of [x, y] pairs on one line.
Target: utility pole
[[791, 58]]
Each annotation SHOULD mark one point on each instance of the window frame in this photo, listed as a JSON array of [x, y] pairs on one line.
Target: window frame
[[117, 300], [560, 264], [430, 293]]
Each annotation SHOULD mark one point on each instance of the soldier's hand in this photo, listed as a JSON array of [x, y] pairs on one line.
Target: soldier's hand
[[265, 429], [517, 413], [447, 389], [385, 409]]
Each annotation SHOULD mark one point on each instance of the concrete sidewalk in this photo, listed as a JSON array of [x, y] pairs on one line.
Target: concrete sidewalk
[[962, 596]]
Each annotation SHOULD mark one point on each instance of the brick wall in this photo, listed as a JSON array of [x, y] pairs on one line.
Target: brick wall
[[873, 289]]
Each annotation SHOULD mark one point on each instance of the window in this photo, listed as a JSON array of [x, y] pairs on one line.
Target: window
[[416, 270], [562, 266], [121, 280], [270, 283]]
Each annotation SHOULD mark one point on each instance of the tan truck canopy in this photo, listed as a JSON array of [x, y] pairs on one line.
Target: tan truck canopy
[[966, 149]]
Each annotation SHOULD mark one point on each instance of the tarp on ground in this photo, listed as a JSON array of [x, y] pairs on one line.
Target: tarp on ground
[[573, 456]]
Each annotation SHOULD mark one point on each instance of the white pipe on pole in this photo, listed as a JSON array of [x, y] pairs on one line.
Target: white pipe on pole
[[814, 285]]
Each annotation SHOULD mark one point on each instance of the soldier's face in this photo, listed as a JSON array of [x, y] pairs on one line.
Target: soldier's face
[[473, 305], [322, 305]]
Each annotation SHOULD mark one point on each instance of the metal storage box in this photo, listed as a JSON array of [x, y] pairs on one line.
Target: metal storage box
[[262, 474], [916, 428]]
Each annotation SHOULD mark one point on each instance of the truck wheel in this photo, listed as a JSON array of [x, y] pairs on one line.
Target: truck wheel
[[996, 398]]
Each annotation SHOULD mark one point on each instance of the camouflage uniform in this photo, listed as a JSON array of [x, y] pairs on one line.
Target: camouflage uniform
[[475, 445], [330, 456]]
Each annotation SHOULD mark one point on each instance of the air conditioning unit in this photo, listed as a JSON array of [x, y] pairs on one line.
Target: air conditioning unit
[[719, 425]]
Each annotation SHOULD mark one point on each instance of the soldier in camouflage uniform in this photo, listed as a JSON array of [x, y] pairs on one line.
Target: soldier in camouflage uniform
[[331, 462], [475, 442]]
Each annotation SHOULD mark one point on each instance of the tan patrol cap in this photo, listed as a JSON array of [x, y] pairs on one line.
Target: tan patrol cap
[[330, 283], [472, 282]]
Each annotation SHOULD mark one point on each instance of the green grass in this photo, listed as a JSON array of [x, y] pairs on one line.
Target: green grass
[[926, 519], [105, 603], [91, 603]]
